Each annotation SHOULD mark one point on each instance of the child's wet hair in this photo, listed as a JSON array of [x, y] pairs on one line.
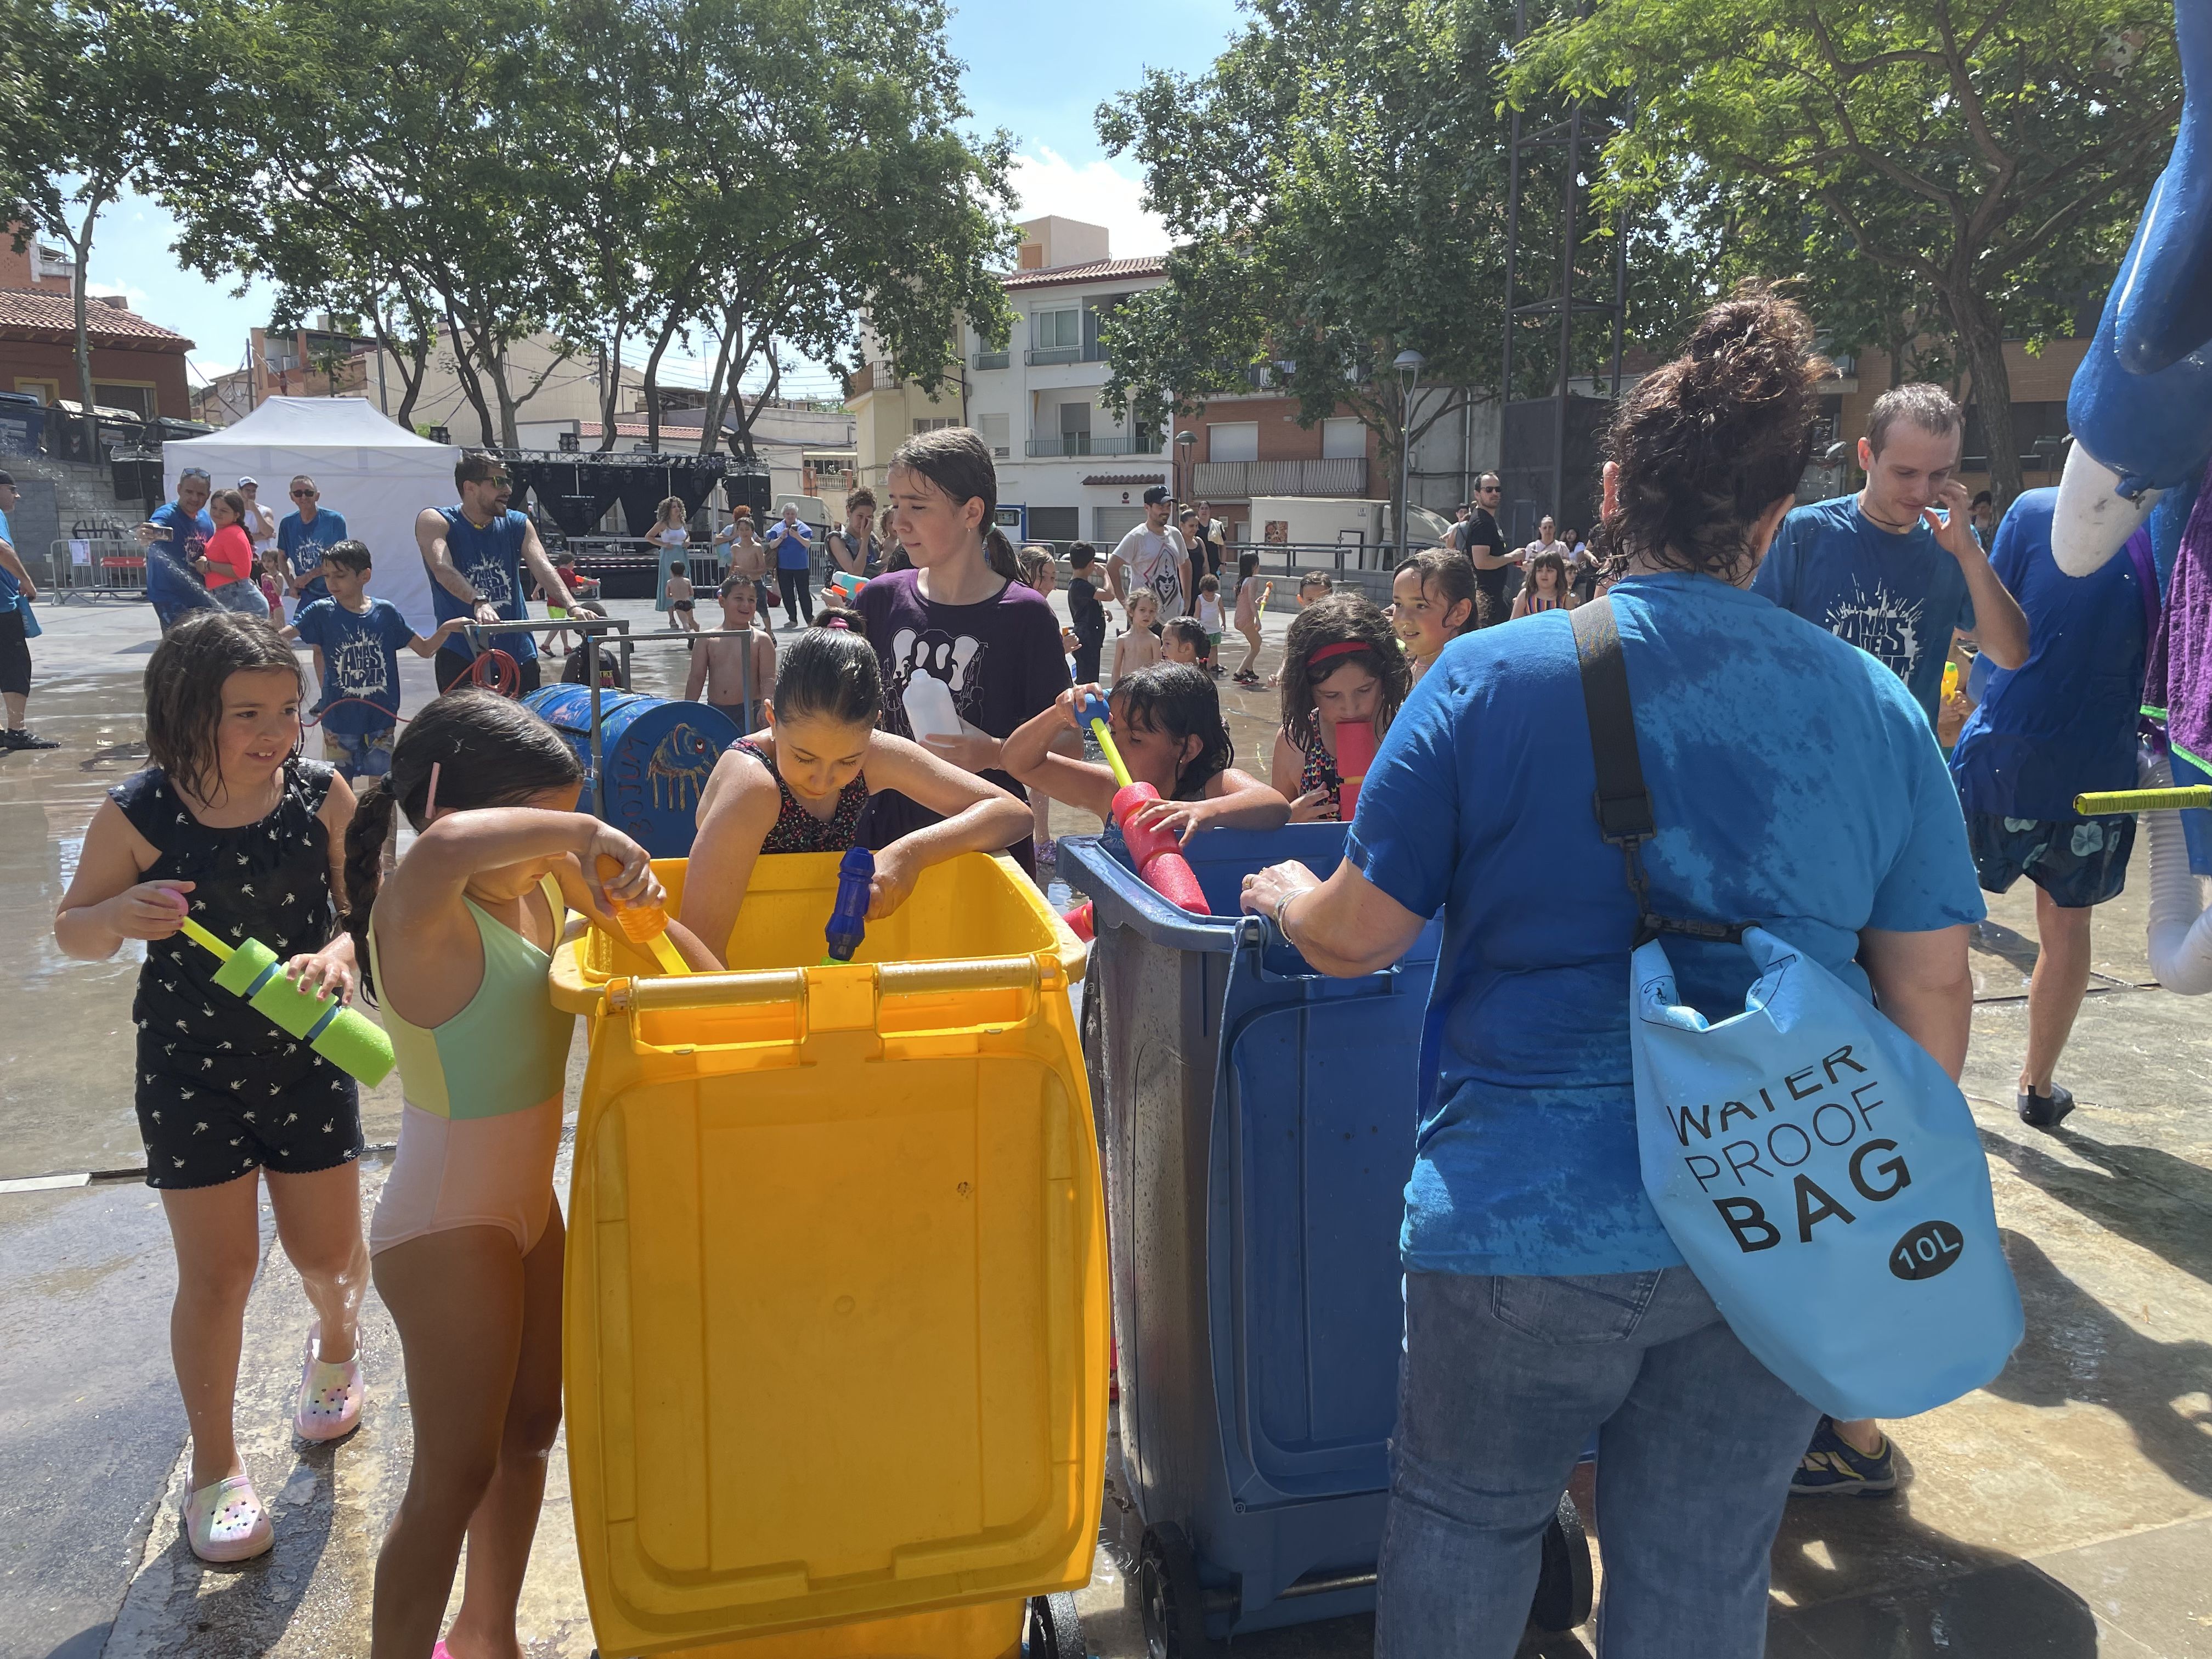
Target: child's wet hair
[[1081, 555], [489, 752], [1247, 564], [1316, 579], [1341, 619], [830, 672], [734, 585], [1446, 575], [1180, 702], [1036, 566], [351, 555], [183, 686], [1186, 629]]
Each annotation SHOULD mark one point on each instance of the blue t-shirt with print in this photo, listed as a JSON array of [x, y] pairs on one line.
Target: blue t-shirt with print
[[1896, 597], [361, 658], [11, 590], [170, 576], [1794, 784], [491, 558], [303, 545], [2064, 721], [793, 551]]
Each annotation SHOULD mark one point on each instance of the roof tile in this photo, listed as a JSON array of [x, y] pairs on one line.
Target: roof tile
[[1152, 264], [32, 315]]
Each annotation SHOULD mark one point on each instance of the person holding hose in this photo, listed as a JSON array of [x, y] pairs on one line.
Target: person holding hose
[[1795, 784]]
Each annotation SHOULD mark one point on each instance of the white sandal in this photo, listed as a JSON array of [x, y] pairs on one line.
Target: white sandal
[[225, 1521], [330, 1398]]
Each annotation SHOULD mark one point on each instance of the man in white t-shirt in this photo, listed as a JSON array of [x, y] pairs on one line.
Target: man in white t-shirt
[[1153, 555]]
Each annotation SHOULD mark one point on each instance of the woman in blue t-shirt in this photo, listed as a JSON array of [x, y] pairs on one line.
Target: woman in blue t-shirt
[[1795, 783]]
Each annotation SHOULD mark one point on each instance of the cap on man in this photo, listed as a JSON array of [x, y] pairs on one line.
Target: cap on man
[[1896, 569]]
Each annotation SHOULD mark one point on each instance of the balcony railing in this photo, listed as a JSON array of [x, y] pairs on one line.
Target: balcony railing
[[1103, 443], [1240, 481], [1036, 356], [992, 359]]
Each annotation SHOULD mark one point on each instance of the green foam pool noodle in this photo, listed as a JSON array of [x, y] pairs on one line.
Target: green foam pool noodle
[[355, 1044]]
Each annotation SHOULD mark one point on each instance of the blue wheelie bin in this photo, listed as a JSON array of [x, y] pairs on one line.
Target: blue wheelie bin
[[1257, 1120]]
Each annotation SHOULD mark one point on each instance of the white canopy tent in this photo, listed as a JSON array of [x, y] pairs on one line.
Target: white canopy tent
[[372, 471]]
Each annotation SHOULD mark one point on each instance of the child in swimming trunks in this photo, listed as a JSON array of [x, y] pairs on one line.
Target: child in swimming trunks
[[735, 676], [682, 602], [228, 822], [802, 785], [1166, 720], [466, 1240], [1341, 662]]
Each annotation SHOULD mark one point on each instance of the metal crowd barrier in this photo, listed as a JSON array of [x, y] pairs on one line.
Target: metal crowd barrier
[[88, 569]]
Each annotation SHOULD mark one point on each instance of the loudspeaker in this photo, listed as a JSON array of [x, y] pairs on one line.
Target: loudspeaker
[[1525, 451], [748, 487]]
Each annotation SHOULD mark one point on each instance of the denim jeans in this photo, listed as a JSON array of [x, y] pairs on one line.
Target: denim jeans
[[1503, 1384]]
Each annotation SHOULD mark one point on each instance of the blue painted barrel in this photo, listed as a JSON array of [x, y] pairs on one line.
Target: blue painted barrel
[[656, 754]]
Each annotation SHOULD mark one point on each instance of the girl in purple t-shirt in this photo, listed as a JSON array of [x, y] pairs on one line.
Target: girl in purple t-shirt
[[959, 616]]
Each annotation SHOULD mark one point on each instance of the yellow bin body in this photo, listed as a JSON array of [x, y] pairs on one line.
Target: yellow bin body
[[837, 1301]]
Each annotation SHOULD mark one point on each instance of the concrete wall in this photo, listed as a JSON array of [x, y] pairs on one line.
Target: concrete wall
[[61, 498]]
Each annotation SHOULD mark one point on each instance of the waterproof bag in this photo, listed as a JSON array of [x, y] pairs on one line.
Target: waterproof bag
[[1818, 1171]]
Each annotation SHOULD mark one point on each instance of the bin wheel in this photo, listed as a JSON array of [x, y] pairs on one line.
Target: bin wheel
[[1564, 1588], [1053, 1629], [1167, 1593]]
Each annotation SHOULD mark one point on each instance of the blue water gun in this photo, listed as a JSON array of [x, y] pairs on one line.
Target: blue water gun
[[848, 921]]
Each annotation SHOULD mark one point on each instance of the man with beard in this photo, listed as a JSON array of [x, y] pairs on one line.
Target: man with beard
[[475, 550]]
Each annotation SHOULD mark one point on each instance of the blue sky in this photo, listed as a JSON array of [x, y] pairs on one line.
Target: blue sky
[[1037, 71]]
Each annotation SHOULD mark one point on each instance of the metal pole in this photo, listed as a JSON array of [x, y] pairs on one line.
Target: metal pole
[[1512, 240], [1566, 308], [745, 679], [1619, 289], [592, 680]]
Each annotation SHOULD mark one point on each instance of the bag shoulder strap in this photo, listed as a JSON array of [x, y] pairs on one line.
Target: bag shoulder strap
[[1621, 800]]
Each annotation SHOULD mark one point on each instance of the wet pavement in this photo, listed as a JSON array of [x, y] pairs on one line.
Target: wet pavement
[[2062, 1512]]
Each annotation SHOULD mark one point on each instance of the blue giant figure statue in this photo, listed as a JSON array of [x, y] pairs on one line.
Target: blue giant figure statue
[[2141, 409]]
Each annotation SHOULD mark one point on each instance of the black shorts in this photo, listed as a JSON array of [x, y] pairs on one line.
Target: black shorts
[[207, 1119], [15, 652], [2080, 862]]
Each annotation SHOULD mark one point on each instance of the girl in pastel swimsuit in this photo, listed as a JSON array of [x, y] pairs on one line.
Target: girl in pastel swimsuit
[[465, 1244], [803, 785]]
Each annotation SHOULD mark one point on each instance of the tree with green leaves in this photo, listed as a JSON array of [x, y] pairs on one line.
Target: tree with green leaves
[[1334, 184], [1988, 155], [93, 86]]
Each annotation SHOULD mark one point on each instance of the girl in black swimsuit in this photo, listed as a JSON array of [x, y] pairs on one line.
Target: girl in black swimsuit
[[804, 788]]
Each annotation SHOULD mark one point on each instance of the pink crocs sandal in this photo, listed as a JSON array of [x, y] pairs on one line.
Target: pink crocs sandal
[[225, 1521], [329, 1407]]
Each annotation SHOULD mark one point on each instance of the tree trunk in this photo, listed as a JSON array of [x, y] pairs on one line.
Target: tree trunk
[[718, 389], [471, 388], [510, 435], [1981, 339], [610, 389], [653, 388], [412, 372], [80, 243]]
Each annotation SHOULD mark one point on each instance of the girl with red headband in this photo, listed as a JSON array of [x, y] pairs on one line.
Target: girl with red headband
[[1342, 662]]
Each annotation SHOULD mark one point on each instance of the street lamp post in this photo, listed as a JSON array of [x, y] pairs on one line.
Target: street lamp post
[[1184, 440], [1408, 364]]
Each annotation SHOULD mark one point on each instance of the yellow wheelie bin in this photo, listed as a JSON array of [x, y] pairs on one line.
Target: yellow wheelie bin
[[837, 1302]]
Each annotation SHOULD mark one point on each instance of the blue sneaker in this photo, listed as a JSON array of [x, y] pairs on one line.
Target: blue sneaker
[[1832, 1467]]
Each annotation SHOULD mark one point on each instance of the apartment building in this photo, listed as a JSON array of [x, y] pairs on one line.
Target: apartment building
[[1070, 466], [554, 383], [136, 364]]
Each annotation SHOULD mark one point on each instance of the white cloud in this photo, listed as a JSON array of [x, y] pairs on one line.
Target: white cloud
[[1098, 193]]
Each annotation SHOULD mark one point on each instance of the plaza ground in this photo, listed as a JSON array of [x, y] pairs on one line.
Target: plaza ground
[[2062, 1512]]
